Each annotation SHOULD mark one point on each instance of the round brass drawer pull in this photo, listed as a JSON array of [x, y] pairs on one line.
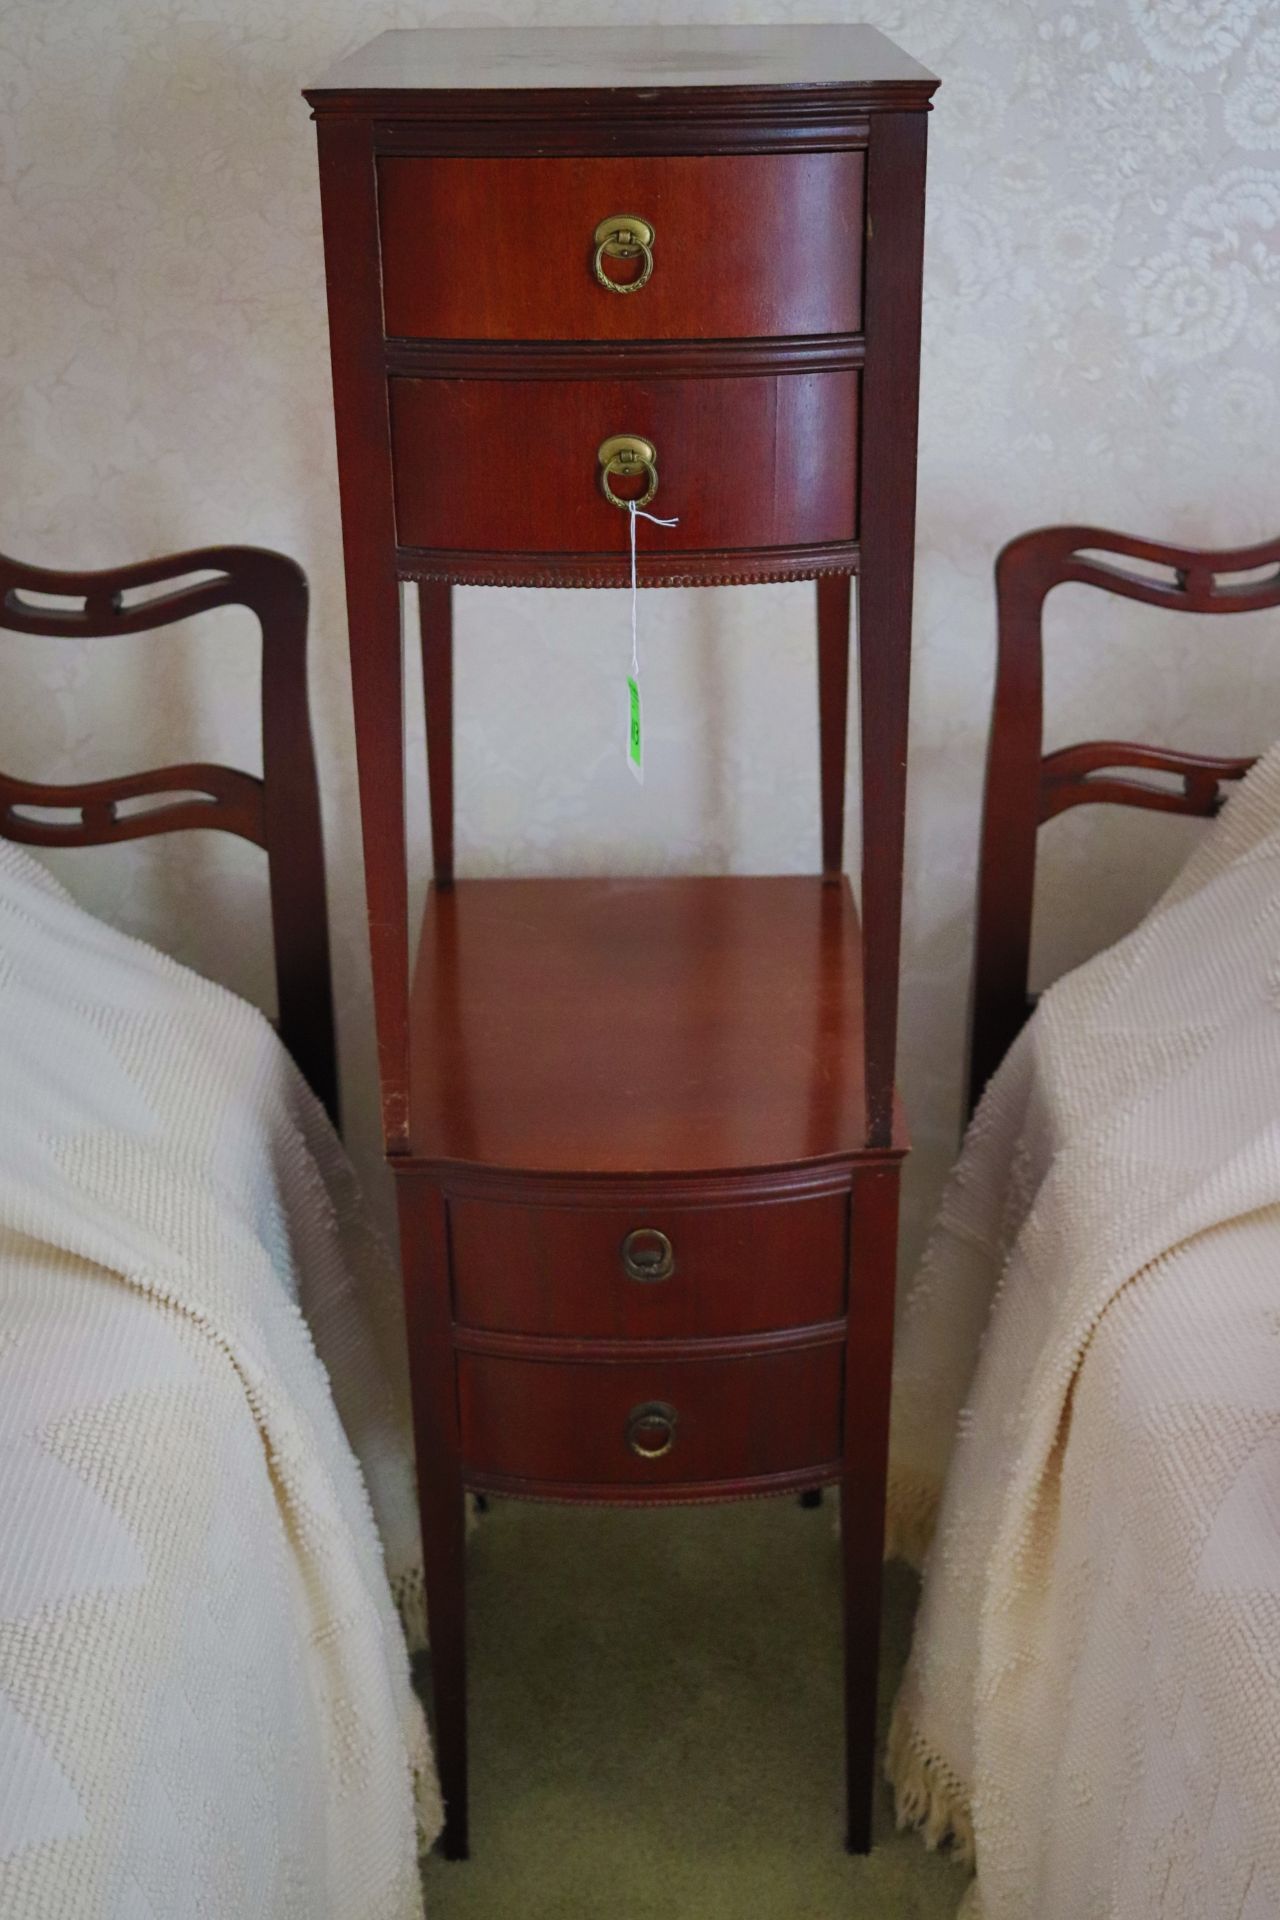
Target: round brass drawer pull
[[651, 1429], [647, 1255], [628, 455], [621, 237]]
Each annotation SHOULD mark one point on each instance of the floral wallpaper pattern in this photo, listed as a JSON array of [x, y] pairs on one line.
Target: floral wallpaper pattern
[[1102, 342]]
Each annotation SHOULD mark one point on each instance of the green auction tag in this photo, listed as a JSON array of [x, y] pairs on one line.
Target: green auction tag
[[634, 748], [635, 751]]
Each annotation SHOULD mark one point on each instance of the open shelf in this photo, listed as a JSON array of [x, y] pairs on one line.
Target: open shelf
[[638, 1026]]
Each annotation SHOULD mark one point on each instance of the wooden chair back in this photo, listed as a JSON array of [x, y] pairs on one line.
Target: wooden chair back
[[279, 812], [1025, 786]]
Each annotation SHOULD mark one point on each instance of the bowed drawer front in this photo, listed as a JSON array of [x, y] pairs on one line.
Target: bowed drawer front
[[652, 247], [514, 466], [643, 1425], [648, 1271]]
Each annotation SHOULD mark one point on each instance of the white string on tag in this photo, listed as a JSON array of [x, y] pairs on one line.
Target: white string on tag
[[635, 759]]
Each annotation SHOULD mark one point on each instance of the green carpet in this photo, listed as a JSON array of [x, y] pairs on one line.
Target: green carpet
[[655, 1724]]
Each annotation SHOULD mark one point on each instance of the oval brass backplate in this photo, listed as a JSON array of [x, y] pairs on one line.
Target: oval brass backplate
[[610, 231], [635, 444]]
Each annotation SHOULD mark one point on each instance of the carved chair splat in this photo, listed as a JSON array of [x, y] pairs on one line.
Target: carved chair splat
[[1026, 787], [280, 812]]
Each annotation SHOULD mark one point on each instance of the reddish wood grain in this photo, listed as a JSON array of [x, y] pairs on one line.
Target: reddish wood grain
[[833, 597], [636, 72], [895, 252], [621, 1026], [559, 1421], [676, 1493], [435, 621], [349, 210], [511, 465], [424, 1259], [559, 1270], [556, 359], [686, 1053], [868, 1372], [279, 812], [1024, 788], [502, 249], [661, 567]]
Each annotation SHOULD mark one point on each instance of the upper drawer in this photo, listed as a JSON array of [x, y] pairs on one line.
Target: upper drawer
[[743, 246], [648, 1273]]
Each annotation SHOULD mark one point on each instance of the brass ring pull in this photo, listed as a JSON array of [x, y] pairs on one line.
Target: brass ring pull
[[647, 1255], [621, 237], [651, 1429], [628, 455]]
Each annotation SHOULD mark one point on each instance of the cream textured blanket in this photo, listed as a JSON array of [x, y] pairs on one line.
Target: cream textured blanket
[[205, 1706], [1090, 1358]]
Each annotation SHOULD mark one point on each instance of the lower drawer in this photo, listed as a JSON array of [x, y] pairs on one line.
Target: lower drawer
[[651, 1422], [512, 466]]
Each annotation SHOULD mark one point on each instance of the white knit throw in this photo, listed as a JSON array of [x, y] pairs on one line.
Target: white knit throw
[[205, 1705], [1088, 1382]]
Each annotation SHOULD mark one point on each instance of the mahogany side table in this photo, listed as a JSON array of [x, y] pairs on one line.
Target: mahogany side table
[[644, 1132]]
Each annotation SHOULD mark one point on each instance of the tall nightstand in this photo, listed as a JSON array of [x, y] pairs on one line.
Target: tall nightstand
[[644, 1132]]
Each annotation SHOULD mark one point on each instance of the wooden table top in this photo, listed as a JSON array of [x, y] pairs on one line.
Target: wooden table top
[[638, 1026], [507, 59]]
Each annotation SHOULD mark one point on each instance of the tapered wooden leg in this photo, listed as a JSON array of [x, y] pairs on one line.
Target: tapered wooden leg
[[440, 1493], [348, 183], [867, 1379], [833, 713], [895, 237], [435, 618]]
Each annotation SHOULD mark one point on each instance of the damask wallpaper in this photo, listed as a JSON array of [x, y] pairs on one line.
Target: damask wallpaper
[[1102, 342]]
